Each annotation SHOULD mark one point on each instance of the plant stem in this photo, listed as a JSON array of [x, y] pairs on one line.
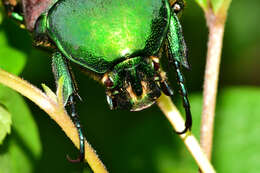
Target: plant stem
[[56, 112], [176, 120], [216, 31]]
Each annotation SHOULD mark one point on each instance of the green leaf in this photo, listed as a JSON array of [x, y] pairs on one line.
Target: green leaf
[[5, 123], [22, 148], [11, 59], [220, 6], [202, 3], [236, 145]]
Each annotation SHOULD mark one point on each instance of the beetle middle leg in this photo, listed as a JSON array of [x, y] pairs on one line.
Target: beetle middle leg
[[61, 69]]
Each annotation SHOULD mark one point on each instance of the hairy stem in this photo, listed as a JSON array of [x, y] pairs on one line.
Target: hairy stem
[[176, 120], [216, 31], [56, 111]]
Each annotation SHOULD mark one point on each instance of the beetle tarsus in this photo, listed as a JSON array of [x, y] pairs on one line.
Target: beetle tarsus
[[75, 119], [188, 122], [186, 103], [79, 159]]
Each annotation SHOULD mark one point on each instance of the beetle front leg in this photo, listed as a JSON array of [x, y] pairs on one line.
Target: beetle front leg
[[61, 69], [177, 54]]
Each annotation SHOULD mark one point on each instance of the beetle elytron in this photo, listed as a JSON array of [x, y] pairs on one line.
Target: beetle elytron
[[120, 42]]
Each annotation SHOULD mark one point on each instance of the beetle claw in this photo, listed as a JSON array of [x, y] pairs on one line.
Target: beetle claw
[[184, 131], [79, 159]]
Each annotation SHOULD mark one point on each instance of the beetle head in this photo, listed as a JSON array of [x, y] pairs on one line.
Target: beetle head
[[134, 84]]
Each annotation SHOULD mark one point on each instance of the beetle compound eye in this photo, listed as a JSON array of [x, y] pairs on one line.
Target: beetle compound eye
[[177, 8], [107, 81], [156, 66], [156, 63]]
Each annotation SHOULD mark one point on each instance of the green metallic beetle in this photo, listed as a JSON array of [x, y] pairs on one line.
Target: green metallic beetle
[[119, 42]]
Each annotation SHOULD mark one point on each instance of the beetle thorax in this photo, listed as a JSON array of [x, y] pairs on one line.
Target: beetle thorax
[[97, 33]]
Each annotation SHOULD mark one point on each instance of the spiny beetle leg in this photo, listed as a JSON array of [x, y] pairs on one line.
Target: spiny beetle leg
[[183, 92], [177, 54], [186, 104], [61, 68]]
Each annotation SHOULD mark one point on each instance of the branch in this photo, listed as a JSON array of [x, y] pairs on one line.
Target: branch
[[216, 25], [51, 104], [176, 120]]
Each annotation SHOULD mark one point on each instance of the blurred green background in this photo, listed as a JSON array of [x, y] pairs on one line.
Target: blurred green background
[[143, 141]]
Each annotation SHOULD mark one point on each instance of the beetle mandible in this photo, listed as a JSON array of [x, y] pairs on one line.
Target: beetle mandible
[[120, 42]]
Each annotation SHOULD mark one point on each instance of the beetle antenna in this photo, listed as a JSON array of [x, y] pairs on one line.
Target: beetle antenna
[[75, 119]]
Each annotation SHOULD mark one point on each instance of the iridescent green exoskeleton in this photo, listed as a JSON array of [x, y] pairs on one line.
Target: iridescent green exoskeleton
[[119, 42]]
